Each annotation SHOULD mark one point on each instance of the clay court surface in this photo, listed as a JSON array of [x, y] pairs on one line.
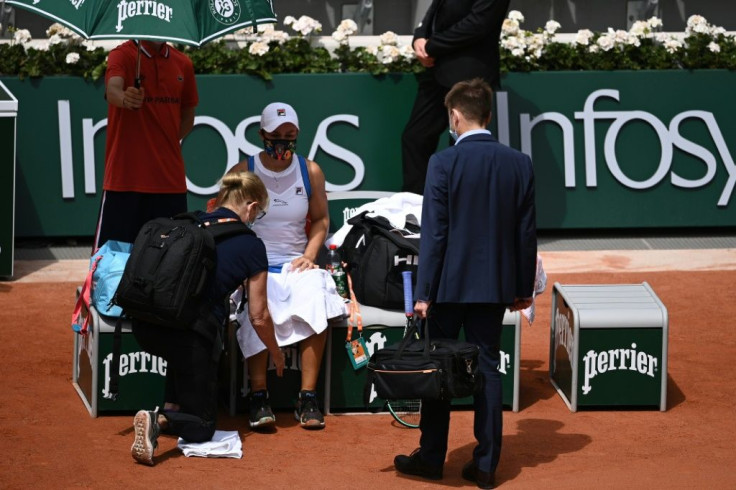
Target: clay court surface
[[48, 439]]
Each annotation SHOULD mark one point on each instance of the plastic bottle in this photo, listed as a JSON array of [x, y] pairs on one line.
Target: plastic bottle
[[334, 267]]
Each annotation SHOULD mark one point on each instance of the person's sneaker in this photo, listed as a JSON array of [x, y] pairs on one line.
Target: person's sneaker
[[307, 411], [260, 415], [145, 426]]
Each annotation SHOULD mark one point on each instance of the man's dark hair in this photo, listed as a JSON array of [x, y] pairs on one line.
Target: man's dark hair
[[472, 98]]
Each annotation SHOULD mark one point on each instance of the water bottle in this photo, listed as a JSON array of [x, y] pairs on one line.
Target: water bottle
[[334, 267]]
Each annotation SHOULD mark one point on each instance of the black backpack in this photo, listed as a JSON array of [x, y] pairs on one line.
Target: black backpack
[[170, 268], [166, 278], [376, 254]]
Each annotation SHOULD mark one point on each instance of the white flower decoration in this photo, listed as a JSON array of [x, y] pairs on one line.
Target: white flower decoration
[[348, 27], [288, 20], [72, 58], [672, 45], [407, 52], [606, 42], [258, 48], [389, 38], [714, 47], [516, 15], [654, 22], [22, 36], [583, 37], [509, 27], [340, 37], [390, 54], [639, 28], [551, 26], [306, 25]]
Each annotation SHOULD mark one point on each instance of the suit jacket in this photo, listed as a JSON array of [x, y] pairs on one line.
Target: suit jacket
[[478, 240], [463, 38]]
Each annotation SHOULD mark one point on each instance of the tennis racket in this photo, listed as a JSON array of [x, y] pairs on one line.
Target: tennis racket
[[406, 412]]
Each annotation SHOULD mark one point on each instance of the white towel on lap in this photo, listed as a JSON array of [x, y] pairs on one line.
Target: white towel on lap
[[300, 304], [224, 444]]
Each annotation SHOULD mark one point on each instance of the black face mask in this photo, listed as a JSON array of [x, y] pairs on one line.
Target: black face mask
[[279, 149]]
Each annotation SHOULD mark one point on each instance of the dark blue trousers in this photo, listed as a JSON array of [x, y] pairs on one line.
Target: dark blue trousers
[[482, 325]]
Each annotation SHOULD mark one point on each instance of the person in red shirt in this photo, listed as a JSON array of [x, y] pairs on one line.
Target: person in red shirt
[[144, 169]]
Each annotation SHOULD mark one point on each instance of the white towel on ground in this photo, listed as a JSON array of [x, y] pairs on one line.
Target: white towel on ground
[[224, 444], [300, 304]]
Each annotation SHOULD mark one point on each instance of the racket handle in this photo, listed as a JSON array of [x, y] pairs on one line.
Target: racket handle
[[408, 295]]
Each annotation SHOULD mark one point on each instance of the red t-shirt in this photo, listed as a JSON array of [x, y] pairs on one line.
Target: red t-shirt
[[142, 152]]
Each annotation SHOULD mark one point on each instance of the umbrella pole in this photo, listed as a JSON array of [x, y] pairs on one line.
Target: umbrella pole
[[138, 66]]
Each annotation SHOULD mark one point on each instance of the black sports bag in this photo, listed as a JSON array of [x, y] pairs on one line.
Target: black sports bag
[[422, 368], [377, 254]]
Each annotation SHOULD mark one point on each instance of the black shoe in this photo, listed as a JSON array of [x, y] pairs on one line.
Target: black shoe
[[146, 430], [482, 478], [260, 415], [307, 411], [414, 465]]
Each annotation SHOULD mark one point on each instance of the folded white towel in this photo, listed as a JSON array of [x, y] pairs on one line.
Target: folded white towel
[[224, 444]]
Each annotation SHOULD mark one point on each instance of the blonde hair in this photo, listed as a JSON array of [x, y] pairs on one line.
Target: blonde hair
[[240, 187]]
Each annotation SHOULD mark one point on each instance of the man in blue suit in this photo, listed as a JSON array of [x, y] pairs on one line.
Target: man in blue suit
[[478, 253]]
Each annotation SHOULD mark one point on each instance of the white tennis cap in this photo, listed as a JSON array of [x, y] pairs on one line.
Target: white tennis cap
[[277, 113]]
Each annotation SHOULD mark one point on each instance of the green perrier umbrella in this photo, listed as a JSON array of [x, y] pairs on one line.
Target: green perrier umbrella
[[192, 22]]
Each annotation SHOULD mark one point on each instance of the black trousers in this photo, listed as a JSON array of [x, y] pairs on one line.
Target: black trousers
[[191, 378], [482, 324], [122, 214], [427, 121]]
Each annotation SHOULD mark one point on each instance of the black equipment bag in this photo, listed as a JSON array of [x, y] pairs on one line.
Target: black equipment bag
[[376, 254], [166, 279], [422, 368], [170, 267]]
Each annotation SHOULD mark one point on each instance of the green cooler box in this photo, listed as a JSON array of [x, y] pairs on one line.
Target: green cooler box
[[142, 375], [608, 346], [344, 385]]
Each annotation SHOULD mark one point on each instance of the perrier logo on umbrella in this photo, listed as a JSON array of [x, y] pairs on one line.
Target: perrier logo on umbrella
[[225, 12], [135, 8]]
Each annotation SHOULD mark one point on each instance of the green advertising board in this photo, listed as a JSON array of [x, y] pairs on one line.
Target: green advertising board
[[8, 113], [610, 149]]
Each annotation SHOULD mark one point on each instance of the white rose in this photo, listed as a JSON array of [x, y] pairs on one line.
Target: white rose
[[510, 27], [258, 48], [340, 37], [72, 58], [373, 50], [516, 15], [407, 52], [633, 40], [288, 20], [593, 48], [389, 38], [22, 36], [390, 54], [606, 42], [55, 39], [639, 28], [348, 27], [672, 45], [583, 37], [654, 22], [714, 47], [551, 26]]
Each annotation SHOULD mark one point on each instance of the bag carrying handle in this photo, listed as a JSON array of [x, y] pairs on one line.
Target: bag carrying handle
[[84, 299], [394, 238], [412, 322], [355, 317]]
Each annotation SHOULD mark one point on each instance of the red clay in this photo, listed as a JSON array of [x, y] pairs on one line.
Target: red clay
[[48, 440]]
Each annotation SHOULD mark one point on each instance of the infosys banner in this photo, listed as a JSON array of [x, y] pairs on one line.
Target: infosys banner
[[610, 149]]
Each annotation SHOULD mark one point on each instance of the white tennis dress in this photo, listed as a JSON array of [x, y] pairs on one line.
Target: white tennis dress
[[300, 303]]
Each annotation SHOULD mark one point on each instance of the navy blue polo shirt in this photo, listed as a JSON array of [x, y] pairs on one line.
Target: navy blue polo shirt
[[238, 258]]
